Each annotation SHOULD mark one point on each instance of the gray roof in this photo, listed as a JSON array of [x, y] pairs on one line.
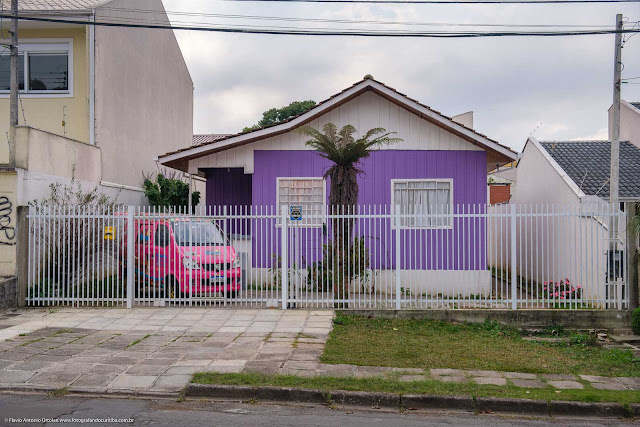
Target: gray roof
[[207, 138], [588, 164], [50, 5]]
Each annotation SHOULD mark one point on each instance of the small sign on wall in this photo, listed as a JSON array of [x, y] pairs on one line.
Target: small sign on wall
[[295, 213], [108, 233]]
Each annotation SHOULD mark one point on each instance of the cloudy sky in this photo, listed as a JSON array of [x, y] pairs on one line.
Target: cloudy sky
[[557, 88]]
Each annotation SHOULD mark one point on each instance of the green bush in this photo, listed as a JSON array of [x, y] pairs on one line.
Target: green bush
[[338, 268], [169, 192], [635, 321]]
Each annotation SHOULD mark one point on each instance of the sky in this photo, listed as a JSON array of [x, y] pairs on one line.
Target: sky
[[556, 88]]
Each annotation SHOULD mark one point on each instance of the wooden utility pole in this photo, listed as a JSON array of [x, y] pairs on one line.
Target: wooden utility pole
[[614, 181], [13, 85]]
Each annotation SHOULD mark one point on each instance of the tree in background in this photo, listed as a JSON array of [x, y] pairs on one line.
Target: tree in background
[[277, 115], [169, 192]]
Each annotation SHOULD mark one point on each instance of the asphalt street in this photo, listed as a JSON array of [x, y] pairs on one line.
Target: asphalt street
[[49, 410]]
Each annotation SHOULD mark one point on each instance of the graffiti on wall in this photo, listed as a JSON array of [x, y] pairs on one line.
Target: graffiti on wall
[[7, 232]]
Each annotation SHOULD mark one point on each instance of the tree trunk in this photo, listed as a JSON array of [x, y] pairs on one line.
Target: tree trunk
[[343, 198]]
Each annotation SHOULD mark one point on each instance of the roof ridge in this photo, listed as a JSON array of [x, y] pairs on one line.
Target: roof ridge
[[368, 77]]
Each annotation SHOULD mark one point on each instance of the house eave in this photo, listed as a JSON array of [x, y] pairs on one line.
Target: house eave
[[498, 153]]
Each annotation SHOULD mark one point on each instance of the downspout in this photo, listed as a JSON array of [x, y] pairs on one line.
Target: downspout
[[92, 81]]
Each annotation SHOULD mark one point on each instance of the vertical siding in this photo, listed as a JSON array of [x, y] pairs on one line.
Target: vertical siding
[[363, 112], [232, 188], [466, 168]]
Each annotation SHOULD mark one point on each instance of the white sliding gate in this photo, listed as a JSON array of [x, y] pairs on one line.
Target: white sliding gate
[[379, 257]]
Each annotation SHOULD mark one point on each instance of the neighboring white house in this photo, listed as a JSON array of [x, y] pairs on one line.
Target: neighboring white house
[[629, 122], [573, 175]]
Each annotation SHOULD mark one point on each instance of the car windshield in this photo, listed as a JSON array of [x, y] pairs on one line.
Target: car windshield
[[190, 233]]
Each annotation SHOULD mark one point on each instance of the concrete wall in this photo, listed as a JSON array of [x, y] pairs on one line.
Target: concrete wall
[[629, 123], [536, 176], [45, 111], [8, 219], [144, 94], [611, 320], [8, 292]]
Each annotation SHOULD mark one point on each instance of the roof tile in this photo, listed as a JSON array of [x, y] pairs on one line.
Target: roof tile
[[48, 5], [588, 164]]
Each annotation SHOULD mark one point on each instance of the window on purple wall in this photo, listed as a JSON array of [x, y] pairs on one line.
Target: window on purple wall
[[423, 203], [309, 193]]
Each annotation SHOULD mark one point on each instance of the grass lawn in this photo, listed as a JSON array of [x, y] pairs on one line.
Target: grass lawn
[[588, 394], [409, 343]]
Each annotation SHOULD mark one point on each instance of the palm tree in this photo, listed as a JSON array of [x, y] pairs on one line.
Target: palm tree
[[346, 153]]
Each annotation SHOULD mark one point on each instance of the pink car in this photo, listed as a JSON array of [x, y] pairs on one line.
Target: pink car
[[182, 257]]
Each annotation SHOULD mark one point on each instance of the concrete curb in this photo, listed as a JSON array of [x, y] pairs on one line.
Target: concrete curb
[[414, 401], [94, 391]]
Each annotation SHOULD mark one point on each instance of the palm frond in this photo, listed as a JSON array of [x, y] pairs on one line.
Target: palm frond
[[343, 149]]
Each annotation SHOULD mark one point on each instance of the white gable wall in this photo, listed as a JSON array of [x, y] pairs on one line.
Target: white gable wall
[[629, 123], [539, 182], [367, 111]]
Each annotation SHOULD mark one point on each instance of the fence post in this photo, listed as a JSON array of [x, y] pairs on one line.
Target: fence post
[[397, 251], [284, 251], [130, 261], [514, 271]]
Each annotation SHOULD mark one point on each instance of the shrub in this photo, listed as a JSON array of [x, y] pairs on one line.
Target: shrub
[[562, 290], [69, 240], [339, 267], [635, 321], [169, 192]]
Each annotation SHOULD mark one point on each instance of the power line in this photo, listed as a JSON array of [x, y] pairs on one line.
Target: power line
[[193, 25], [307, 32], [347, 21], [444, 1]]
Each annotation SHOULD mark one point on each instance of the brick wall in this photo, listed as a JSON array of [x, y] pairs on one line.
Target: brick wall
[[499, 193]]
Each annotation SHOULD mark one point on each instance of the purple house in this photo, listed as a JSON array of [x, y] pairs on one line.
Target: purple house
[[442, 164]]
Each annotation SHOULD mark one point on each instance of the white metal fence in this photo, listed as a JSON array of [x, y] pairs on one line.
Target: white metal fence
[[381, 257]]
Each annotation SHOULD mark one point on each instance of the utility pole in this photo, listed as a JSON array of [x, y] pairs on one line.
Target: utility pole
[[13, 85], [614, 181]]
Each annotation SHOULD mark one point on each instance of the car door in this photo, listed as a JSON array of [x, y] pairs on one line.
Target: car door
[[162, 245]]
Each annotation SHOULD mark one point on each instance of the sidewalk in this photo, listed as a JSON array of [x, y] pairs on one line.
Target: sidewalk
[[158, 349], [149, 349]]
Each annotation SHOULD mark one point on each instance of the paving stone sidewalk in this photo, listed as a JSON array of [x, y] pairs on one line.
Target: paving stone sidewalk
[[150, 349], [158, 349], [518, 379]]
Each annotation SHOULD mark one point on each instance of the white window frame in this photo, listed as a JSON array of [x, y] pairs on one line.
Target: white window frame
[[57, 45], [423, 227], [301, 224]]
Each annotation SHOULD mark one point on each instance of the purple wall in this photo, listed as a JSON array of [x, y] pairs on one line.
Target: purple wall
[[229, 187], [460, 248], [467, 168]]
